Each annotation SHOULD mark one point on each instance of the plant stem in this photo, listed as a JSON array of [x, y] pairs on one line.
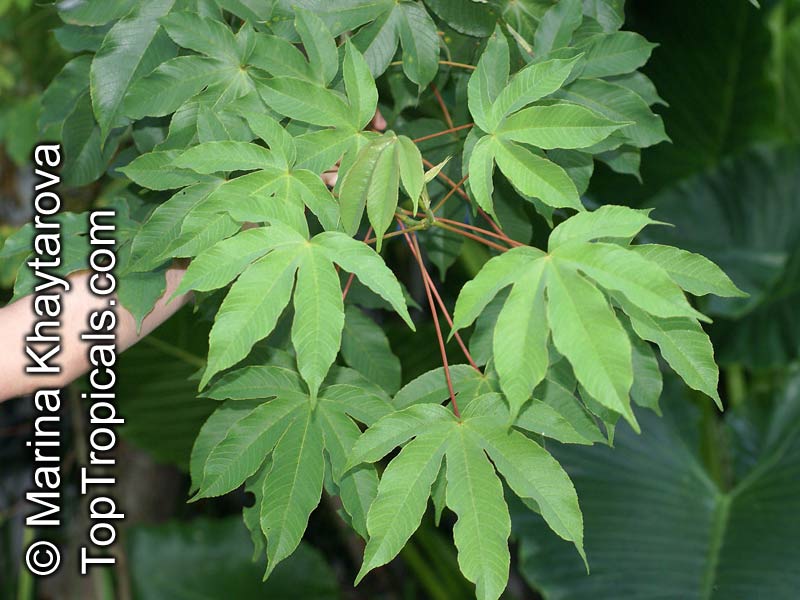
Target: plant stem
[[446, 314], [482, 231], [435, 316], [449, 63], [450, 193], [464, 195], [392, 234], [441, 133], [469, 235], [447, 118]]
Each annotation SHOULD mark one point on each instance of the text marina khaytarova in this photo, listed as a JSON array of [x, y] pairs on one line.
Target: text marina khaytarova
[[43, 346]]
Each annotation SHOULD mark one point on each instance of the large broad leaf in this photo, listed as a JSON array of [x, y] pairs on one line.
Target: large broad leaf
[[744, 216], [662, 515], [785, 27], [211, 559]]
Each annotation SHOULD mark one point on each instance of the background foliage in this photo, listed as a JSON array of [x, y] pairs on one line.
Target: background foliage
[[727, 86]]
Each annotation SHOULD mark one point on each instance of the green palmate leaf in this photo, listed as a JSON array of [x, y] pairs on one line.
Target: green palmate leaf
[[475, 494], [420, 43], [359, 398], [557, 126], [203, 35], [361, 90], [251, 309], [373, 176], [292, 489], [586, 331], [153, 241], [684, 345], [557, 26], [481, 168], [132, 48], [615, 53], [261, 196], [489, 79], [471, 18], [394, 430], [213, 157], [536, 176], [157, 171], [530, 84], [172, 83], [412, 172], [251, 515], [94, 13], [647, 379], [139, 292], [236, 452], [402, 498], [319, 318], [610, 221], [537, 417], [357, 488], [365, 348], [319, 45], [256, 382], [382, 192], [620, 104], [520, 338], [496, 274], [406, 23], [319, 150], [280, 58], [306, 101], [203, 227], [645, 284], [225, 260], [431, 387], [541, 479], [339, 17], [280, 142], [85, 156], [358, 258], [558, 389], [59, 98], [558, 422], [752, 236], [378, 41], [693, 272], [281, 441]]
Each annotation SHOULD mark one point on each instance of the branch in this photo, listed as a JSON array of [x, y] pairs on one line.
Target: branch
[[471, 236], [440, 133], [435, 316], [443, 308]]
